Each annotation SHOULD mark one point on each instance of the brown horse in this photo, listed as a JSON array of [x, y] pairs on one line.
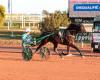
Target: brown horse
[[67, 39]]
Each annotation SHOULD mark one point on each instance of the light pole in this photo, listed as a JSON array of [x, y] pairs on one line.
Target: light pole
[[10, 13]]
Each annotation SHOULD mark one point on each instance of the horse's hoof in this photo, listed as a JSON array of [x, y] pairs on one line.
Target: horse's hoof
[[61, 56], [69, 54]]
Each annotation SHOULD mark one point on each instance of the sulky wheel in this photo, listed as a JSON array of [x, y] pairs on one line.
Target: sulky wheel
[[27, 53], [44, 53]]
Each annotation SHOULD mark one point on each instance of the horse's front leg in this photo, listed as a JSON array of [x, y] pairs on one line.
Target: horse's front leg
[[71, 39], [68, 49], [75, 47]]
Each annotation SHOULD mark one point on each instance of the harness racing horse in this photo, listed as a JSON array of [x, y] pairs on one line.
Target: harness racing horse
[[71, 31], [68, 39]]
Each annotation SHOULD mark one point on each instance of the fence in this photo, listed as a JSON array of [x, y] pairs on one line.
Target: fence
[[13, 34], [12, 38], [84, 37]]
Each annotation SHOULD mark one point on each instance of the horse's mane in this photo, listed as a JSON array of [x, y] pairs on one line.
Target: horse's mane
[[74, 26]]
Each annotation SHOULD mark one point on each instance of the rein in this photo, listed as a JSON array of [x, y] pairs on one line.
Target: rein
[[41, 38]]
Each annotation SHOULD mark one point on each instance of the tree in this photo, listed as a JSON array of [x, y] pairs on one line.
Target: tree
[[45, 12], [52, 21], [2, 14]]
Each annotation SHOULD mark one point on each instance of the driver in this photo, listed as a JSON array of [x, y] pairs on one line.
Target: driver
[[27, 38]]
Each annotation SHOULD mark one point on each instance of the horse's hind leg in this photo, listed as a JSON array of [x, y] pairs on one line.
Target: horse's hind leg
[[55, 50], [40, 45], [75, 47], [68, 49]]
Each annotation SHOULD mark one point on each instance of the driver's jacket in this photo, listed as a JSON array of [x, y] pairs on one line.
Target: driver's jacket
[[27, 39]]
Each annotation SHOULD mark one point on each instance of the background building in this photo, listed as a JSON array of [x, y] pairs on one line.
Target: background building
[[84, 11], [22, 21]]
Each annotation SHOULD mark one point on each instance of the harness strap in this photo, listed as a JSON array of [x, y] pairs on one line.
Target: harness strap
[[62, 39]]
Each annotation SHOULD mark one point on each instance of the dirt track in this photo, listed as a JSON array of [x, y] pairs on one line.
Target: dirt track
[[13, 67]]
